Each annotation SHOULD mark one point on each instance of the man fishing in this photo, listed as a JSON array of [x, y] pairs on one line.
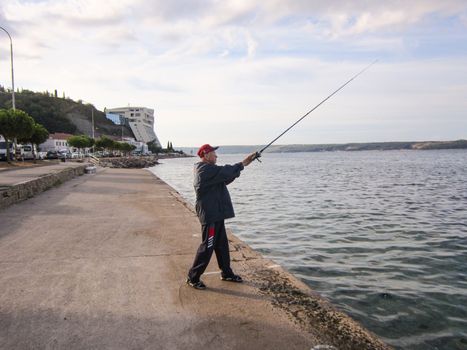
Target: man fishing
[[213, 206]]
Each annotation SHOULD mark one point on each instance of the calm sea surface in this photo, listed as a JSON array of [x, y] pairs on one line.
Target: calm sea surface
[[383, 235]]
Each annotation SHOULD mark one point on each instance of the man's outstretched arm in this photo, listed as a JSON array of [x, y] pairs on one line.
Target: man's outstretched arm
[[227, 173], [247, 161]]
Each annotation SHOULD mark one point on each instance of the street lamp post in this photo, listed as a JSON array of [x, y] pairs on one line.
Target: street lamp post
[[12, 71], [92, 121]]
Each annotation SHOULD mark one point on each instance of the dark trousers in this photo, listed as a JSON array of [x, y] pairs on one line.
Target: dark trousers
[[214, 238]]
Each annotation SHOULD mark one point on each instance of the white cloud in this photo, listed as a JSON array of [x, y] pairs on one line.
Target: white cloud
[[242, 69], [215, 27], [355, 17], [251, 44]]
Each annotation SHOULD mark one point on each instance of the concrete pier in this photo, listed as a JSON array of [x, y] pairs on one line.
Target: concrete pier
[[17, 185], [100, 262]]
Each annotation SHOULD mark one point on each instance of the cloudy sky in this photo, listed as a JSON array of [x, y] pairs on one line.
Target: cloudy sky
[[240, 71]]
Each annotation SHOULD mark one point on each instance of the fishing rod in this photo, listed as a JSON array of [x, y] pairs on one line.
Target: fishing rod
[[258, 153]]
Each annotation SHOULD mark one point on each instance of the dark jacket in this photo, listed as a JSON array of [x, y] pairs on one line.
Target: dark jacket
[[213, 201]]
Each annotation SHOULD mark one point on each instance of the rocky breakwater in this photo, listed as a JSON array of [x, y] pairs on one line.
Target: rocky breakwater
[[129, 162]]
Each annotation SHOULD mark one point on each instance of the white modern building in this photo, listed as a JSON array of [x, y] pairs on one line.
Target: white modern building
[[140, 120]]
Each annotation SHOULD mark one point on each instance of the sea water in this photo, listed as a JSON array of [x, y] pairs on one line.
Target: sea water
[[382, 234]]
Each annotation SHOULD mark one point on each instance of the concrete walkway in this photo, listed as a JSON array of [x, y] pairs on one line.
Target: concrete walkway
[[18, 184], [14, 176], [100, 261]]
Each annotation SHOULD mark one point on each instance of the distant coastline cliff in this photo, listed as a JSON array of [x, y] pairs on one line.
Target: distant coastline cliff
[[373, 146], [348, 147]]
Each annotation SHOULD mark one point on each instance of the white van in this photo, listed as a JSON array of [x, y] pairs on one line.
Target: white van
[[27, 152], [3, 154]]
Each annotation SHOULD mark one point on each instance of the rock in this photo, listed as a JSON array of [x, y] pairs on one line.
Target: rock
[[130, 162], [90, 170]]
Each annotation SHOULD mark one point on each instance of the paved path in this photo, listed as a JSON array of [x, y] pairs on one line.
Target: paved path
[[13, 176], [100, 262]]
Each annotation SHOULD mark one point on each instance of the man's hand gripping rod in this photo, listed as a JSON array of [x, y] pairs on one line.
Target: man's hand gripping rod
[[259, 153]]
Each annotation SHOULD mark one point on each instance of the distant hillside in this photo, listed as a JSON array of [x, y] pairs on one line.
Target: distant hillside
[[372, 146], [59, 114]]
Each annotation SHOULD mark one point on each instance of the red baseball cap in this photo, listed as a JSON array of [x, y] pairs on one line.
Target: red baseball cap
[[205, 149]]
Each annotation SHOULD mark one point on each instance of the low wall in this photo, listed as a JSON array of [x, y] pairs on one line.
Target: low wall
[[19, 192]]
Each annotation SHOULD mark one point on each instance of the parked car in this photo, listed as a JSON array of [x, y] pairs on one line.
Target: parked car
[[52, 155], [64, 153]]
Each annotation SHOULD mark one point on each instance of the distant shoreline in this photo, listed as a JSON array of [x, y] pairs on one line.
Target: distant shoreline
[[348, 147], [374, 146]]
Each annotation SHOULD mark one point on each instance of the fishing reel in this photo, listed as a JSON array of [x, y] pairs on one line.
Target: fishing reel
[[257, 156]]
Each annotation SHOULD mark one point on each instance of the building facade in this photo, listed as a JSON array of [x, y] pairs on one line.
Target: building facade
[[55, 142], [139, 119]]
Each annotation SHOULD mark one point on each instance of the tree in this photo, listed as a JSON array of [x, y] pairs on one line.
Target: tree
[[80, 141], [114, 146], [127, 148], [124, 147], [39, 135], [104, 143], [154, 148], [92, 142], [169, 147], [117, 146], [15, 124]]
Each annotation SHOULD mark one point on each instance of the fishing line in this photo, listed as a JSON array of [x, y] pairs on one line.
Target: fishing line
[[258, 153]]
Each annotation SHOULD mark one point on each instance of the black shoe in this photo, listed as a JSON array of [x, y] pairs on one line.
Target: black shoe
[[232, 278], [196, 285]]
